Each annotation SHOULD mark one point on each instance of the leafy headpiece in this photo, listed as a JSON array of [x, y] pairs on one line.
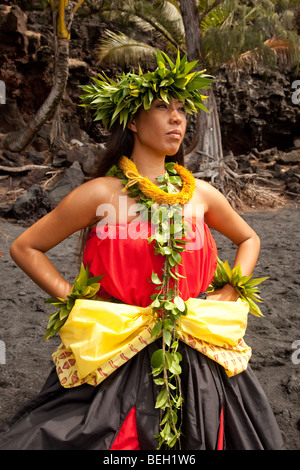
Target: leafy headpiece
[[121, 99]]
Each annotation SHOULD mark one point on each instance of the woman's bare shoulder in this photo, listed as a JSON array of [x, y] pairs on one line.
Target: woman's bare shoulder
[[204, 186], [100, 188], [84, 200], [207, 192], [103, 182]]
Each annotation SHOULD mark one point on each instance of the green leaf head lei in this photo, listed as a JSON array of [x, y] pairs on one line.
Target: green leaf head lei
[[120, 99]]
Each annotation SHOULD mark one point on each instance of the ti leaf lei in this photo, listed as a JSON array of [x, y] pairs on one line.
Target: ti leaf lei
[[167, 304], [244, 285], [120, 99], [84, 287]]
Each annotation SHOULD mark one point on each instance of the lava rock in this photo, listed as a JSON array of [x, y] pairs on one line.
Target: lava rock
[[70, 179], [292, 157], [31, 205]]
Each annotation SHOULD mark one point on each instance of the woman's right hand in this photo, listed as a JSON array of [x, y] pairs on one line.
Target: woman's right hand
[[226, 293]]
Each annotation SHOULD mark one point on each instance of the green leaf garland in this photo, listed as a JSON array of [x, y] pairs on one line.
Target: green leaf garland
[[244, 285], [167, 305], [84, 287], [119, 100]]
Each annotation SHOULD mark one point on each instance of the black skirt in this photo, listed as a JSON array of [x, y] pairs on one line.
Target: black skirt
[[90, 418]]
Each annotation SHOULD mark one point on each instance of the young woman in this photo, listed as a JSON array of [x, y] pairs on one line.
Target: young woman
[[119, 412]]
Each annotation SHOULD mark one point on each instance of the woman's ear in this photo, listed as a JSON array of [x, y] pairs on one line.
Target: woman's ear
[[132, 125]]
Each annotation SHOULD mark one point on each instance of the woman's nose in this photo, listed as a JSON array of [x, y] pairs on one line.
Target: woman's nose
[[175, 116]]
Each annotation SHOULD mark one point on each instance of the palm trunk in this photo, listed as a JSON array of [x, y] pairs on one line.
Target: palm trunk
[[18, 140], [190, 18], [205, 155]]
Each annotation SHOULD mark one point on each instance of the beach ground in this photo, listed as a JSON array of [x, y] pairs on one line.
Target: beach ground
[[275, 338]]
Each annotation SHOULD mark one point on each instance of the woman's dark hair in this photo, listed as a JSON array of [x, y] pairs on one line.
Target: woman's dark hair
[[119, 143]]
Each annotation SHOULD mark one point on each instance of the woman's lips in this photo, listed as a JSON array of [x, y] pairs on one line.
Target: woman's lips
[[176, 133]]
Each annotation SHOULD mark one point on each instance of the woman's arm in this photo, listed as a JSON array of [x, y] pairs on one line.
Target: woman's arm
[[75, 212], [220, 216]]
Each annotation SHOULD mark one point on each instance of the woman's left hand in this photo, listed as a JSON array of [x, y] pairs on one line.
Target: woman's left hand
[[226, 293]]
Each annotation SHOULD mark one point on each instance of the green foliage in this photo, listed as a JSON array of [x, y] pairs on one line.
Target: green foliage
[[236, 28], [245, 285], [123, 49], [169, 229], [139, 24], [229, 29], [121, 99], [84, 287]]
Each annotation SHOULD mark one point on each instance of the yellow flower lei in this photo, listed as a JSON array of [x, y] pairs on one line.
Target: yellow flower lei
[[152, 191]]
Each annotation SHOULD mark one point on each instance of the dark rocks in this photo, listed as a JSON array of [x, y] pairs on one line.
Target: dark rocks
[[34, 176], [12, 159], [11, 118], [13, 26], [27, 195], [256, 109], [87, 156], [71, 179], [292, 157], [59, 158], [36, 201], [31, 205], [272, 168], [35, 157], [292, 385], [5, 210]]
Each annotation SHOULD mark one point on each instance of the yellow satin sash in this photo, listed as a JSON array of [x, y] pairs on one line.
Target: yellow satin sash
[[99, 337]]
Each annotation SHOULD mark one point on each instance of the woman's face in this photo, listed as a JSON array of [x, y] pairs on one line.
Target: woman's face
[[161, 129]]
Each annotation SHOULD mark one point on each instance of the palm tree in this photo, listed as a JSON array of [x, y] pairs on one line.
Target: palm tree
[[215, 32], [63, 12]]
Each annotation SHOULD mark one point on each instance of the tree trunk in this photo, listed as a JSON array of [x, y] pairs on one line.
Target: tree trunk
[[190, 18], [205, 156], [18, 140]]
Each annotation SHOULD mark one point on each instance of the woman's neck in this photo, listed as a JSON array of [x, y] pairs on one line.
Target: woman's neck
[[149, 166]]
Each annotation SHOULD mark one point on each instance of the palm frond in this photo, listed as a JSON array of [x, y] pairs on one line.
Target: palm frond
[[121, 49], [171, 11], [218, 17], [165, 19], [281, 52]]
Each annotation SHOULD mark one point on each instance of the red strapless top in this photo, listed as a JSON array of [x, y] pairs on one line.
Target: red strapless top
[[123, 255]]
